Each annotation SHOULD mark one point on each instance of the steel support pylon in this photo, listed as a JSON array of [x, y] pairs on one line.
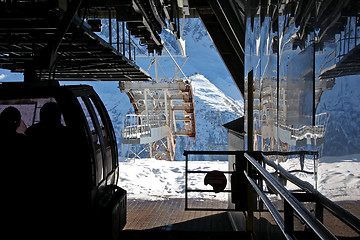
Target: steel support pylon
[[163, 110]]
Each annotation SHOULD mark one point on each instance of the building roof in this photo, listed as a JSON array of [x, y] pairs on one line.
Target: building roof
[[236, 126]]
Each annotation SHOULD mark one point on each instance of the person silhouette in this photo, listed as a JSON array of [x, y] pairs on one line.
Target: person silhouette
[[51, 152], [49, 139], [49, 126], [14, 169], [12, 143]]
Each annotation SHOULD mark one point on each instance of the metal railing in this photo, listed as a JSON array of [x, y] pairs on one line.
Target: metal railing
[[187, 172], [342, 214], [304, 214], [137, 126], [251, 173]]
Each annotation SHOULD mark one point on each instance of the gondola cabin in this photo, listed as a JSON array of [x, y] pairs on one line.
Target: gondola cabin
[[60, 179]]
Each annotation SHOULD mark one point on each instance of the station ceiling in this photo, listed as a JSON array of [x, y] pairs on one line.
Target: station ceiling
[[50, 39]]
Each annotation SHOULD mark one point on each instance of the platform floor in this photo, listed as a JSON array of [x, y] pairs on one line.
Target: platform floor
[[167, 219], [170, 214]]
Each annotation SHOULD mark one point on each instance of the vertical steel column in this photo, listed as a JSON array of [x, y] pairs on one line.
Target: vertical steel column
[[110, 29], [129, 45], [313, 88], [250, 122], [314, 73], [250, 132], [186, 181], [277, 77], [123, 38], [117, 36]]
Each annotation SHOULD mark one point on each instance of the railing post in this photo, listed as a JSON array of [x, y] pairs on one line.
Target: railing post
[[288, 218], [250, 148], [186, 179], [239, 183], [250, 201], [319, 211]]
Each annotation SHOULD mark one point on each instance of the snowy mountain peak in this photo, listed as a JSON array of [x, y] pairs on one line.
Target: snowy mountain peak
[[214, 98]]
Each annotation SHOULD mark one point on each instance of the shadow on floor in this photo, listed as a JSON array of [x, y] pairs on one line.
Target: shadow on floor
[[182, 235], [216, 226], [213, 223]]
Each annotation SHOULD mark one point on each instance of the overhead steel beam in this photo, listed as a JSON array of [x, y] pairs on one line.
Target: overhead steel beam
[[232, 26], [227, 32], [225, 49], [47, 57]]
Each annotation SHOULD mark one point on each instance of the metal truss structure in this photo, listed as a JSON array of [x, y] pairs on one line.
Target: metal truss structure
[[163, 110]]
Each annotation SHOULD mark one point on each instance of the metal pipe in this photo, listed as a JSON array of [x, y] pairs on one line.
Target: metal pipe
[[344, 215], [212, 152], [176, 64], [319, 229], [272, 209]]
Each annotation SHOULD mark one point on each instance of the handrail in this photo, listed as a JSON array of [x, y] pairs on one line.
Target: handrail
[[136, 126], [293, 201], [344, 215], [273, 211], [319, 229]]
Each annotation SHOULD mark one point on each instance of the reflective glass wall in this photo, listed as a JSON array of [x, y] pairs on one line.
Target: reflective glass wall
[[296, 53]]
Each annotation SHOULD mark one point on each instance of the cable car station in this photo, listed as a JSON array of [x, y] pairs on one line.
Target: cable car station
[[61, 181]]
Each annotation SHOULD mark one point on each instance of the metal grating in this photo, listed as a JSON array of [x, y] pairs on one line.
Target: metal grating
[[27, 28]]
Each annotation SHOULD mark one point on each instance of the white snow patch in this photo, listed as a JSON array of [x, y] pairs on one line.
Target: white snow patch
[[150, 179], [339, 177], [153, 179]]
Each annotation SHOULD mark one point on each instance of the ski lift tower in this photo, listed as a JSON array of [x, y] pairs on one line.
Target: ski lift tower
[[164, 109]]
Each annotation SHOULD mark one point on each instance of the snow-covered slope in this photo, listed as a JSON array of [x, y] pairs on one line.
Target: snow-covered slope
[[339, 177], [153, 180], [208, 94]]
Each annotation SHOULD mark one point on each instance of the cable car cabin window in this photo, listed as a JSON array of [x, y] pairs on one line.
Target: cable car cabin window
[[95, 140], [29, 110], [107, 141], [30, 146]]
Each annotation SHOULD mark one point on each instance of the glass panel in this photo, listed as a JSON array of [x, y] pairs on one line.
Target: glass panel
[[107, 141], [297, 51], [29, 110], [96, 142], [299, 88]]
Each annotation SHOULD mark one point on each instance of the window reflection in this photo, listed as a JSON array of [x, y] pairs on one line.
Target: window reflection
[[294, 61]]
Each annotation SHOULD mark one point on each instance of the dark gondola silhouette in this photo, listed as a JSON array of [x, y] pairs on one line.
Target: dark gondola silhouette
[[66, 166]]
